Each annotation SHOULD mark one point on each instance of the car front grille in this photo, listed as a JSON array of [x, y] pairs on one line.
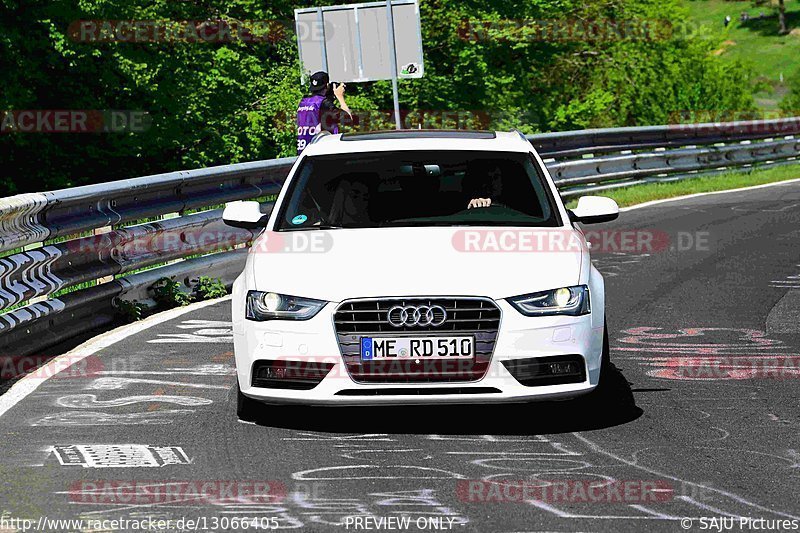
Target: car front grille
[[478, 317]]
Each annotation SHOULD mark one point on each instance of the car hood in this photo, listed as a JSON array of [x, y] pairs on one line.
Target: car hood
[[335, 265]]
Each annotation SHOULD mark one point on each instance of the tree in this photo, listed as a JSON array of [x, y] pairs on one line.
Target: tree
[[780, 7], [791, 102], [535, 65]]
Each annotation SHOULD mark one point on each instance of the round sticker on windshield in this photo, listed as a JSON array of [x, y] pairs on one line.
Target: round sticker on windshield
[[299, 219]]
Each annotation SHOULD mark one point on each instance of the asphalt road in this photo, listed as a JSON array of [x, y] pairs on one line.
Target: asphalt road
[[704, 336]]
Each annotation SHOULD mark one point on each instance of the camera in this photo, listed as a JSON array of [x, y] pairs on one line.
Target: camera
[[331, 86]]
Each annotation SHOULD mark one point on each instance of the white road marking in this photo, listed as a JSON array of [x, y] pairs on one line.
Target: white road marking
[[563, 514], [594, 447], [699, 194], [112, 383], [706, 507], [119, 455], [25, 386], [662, 516], [90, 401], [96, 418], [358, 472]]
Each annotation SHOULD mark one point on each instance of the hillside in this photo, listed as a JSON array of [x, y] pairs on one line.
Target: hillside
[[755, 42]]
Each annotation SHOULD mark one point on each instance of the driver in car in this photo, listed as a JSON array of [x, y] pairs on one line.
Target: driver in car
[[482, 183]]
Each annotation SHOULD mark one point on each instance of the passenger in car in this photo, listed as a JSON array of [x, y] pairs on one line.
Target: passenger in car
[[351, 199]]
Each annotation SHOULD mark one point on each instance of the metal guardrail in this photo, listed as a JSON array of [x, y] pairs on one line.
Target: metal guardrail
[[39, 268], [608, 140]]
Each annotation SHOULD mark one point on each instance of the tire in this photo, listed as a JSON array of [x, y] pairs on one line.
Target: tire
[[246, 408], [613, 393]]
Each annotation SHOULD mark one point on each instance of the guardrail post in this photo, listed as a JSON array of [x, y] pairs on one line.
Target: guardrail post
[[96, 232]]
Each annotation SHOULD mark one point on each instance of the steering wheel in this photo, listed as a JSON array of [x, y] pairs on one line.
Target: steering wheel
[[484, 209]]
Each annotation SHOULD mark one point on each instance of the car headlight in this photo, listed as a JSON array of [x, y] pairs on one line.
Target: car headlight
[[262, 306], [571, 301]]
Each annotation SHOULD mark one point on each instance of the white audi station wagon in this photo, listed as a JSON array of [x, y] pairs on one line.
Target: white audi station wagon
[[418, 267]]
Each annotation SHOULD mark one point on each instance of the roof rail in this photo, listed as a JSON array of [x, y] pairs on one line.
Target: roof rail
[[515, 130], [418, 134]]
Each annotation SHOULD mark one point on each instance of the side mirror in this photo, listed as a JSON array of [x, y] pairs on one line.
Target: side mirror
[[594, 209], [246, 215]]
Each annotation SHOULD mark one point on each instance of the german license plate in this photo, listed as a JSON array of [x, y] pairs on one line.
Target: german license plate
[[417, 348]]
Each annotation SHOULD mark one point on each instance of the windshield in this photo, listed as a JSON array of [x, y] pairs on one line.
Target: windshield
[[435, 188]]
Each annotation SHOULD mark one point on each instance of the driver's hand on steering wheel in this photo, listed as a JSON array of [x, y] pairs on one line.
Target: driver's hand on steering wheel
[[479, 202]]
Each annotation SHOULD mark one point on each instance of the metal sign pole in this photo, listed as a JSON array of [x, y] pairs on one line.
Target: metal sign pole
[[393, 63]]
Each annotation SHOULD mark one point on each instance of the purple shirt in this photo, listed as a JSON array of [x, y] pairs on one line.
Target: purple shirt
[[309, 122]]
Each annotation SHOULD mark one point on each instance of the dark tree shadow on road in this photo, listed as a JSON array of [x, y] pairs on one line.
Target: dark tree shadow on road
[[610, 404]]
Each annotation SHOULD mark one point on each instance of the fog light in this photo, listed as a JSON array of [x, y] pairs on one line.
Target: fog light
[[562, 368]]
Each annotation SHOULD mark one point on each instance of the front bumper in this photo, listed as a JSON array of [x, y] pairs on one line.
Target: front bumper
[[519, 337]]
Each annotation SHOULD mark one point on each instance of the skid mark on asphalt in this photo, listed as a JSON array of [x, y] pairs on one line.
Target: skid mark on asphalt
[[708, 353], [746, 208], [325, 495], [502, 459], [784, 317], [205, 332], [698, 496], [790, 281], [497, 460], [615, 263]]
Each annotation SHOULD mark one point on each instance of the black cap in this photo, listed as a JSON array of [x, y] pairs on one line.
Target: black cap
[[319, 82]]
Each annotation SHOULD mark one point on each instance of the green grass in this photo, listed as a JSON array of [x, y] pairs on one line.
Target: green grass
[[638, 194], [755, 43]]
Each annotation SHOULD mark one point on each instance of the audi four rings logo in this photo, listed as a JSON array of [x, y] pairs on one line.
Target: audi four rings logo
[[420, 315]]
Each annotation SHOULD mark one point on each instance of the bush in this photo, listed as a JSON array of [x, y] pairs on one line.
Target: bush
[[790, 104], [131, 310], [169, 293], [208, 289]]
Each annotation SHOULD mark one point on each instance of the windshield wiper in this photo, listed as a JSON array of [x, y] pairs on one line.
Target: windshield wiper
[[318, 226]]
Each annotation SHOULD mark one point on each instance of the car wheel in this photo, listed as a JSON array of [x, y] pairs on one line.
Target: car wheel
[[246, 408], [605, 360]]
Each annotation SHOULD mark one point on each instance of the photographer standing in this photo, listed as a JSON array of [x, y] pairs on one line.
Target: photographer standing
[[317, 111]]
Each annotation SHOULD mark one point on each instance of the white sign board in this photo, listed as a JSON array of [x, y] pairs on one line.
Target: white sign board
[[351, 42]]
